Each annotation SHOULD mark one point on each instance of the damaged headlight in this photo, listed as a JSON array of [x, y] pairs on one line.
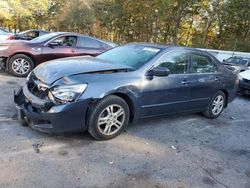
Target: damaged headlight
[[67, 93]]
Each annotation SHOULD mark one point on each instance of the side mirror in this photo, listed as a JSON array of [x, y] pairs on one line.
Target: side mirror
[[223, 60], [53, 44], [159, 72]]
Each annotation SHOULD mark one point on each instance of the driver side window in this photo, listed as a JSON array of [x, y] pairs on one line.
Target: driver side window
[[176, 62], [66, 41]]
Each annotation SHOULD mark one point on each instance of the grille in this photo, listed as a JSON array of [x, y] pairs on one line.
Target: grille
[[36, 87]]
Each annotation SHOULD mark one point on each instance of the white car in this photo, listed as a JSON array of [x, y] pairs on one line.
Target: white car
[[244, 86]]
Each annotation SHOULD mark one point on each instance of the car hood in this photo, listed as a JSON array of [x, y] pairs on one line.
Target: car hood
[[51, 71], [245, 74]]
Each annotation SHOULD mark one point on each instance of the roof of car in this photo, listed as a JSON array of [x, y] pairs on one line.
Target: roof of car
[[79, 34], [40, 30], [153, 45], [71, 33]]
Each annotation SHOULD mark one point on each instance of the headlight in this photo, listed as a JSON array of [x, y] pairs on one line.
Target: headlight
[[68, 93], [4, 47]]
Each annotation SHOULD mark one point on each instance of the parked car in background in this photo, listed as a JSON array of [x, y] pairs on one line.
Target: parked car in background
[[5, 35], [239, 64], [244, 86], [4, 30], [103, 94], [20, 57], [30, 34], [25, 35], [224, 54]]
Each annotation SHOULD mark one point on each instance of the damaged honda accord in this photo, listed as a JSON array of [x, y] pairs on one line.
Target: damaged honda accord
[[103, 94]]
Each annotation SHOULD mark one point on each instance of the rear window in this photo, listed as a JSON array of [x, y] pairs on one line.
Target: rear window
[[202, 64], [86, 42]]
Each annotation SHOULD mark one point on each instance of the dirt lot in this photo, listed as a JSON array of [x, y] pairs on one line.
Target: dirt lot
[[186, 151]]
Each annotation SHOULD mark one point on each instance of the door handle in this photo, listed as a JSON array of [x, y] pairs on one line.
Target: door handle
[[73, 51], [185, 82], [217, 79]]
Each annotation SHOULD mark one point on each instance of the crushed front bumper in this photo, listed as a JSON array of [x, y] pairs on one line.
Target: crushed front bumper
[[47, 117]]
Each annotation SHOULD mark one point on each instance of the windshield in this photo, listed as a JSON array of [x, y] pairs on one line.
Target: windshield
[[134, 56], [239, 61], [44, 38]]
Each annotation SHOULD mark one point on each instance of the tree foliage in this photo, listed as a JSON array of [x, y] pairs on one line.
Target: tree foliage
[[220, 24]]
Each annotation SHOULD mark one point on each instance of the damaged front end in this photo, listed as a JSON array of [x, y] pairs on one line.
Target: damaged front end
[[37, 110]]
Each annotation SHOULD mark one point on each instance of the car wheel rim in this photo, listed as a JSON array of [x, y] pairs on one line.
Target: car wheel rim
[[111, 119], [218, 104], [20, 66]]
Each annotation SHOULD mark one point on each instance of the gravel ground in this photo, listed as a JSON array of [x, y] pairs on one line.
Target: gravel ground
[[183, 151]]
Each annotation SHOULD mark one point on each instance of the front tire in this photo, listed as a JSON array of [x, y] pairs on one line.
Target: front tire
[[216, 105], [20, 65], [108, 118]]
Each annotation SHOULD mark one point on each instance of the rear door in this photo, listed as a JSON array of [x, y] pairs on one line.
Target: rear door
[[89, 46], [206, 80], [170, 94], [63, 46]]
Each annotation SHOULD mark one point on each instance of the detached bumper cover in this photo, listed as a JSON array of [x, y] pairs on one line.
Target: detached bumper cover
[[47, 117]]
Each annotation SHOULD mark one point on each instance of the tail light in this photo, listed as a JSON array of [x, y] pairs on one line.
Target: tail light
[[11, 37]]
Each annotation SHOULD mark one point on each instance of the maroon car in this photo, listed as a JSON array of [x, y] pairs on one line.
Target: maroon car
[[20, 57]]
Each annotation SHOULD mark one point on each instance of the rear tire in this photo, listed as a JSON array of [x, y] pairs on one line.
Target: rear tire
[[108, 118], [20, 65], [216, 105]]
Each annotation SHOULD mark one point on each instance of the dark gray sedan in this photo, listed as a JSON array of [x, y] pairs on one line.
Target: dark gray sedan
[[103, 94]]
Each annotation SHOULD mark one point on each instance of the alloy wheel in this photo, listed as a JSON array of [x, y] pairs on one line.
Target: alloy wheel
[[218, 104], [111, 119], [20, 66]]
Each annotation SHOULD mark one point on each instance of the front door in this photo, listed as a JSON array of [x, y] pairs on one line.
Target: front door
[[170, 94], [61, 47]]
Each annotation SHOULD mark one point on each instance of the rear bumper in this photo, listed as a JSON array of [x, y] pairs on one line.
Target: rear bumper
[[43, 116]]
